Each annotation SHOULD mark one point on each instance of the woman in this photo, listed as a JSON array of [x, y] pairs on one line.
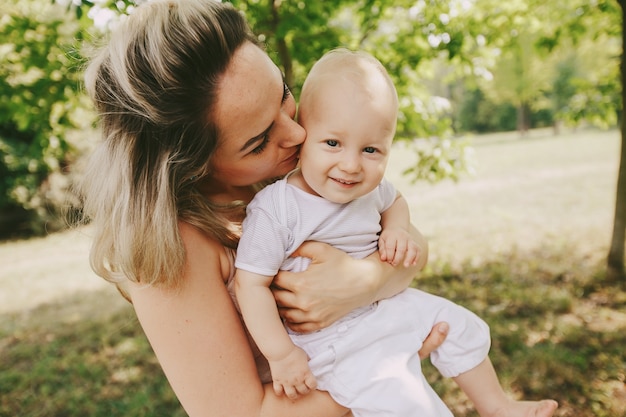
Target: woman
[[195, 117]]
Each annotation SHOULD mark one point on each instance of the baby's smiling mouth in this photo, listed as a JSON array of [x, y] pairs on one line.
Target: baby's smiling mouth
[[344, 182]]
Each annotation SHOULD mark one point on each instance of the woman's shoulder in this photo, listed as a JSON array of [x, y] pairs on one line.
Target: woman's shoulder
[[204, 251], [206, 264]]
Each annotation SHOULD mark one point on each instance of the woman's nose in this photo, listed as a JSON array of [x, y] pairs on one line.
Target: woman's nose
[[293, 134]]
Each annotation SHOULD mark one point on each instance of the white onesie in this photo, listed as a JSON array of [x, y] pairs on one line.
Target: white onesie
[[367, 360]]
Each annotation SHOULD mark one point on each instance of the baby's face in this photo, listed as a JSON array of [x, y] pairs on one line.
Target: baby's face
[[349, 137]]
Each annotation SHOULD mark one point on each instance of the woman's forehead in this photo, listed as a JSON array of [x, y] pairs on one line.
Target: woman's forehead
[[249, 94]]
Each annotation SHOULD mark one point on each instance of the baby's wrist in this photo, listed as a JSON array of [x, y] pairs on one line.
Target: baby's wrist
[[279, 354]]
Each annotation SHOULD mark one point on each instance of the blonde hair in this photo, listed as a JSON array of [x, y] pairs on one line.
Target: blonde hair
[[153, 86]]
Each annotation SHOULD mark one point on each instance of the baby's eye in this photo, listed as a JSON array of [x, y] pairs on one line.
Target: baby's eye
[[332, 143], [369, 149]]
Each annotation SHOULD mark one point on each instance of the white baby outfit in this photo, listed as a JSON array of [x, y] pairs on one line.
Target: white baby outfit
[[367, 360]]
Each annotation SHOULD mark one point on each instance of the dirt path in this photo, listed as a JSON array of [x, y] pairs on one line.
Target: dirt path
[[48, 280]]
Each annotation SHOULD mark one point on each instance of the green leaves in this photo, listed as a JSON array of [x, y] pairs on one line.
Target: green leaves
[[39, 94], [438, 160]]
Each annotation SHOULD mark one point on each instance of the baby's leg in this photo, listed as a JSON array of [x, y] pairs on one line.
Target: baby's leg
[[468, 341], [464, 357], [481, 385]]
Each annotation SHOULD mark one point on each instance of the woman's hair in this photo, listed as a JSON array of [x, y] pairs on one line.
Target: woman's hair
[[154, 86]]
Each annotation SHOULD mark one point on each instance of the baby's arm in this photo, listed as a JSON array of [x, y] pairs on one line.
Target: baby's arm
[[288, 363], [395, 243]]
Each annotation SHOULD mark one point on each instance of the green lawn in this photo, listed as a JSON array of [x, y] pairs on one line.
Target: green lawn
[[522, 243]]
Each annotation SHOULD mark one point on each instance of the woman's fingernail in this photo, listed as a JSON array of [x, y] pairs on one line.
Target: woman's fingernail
[[443, 328]]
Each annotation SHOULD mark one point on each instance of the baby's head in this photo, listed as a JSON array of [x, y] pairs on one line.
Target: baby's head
[[340, 66], [349, 108]]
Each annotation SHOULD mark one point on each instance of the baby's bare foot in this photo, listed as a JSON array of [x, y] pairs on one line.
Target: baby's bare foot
[[543, 408]]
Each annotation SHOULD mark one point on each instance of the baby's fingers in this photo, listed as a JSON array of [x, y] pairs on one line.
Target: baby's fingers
[[307, 385], [399, 253], [289, 390], [412, 255], [310, 382], [382, 249], [388, 249], [278, 388]]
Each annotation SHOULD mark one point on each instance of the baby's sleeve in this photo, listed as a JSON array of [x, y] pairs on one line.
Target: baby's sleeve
[[263, 244], [387, 194]]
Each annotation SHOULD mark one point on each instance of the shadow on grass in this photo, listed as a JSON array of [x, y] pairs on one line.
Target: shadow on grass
[[558, 332], [76, 358]]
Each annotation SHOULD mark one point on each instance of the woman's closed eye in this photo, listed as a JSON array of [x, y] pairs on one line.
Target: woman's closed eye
[[261, 146], [266, 135], [286, 92]]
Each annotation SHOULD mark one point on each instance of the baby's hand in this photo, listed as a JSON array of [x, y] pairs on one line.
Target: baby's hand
[[292, 374], [396, 245]]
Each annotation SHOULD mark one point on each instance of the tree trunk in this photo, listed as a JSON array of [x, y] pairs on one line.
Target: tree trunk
[[523, 118], [615, 264], [281, 46]]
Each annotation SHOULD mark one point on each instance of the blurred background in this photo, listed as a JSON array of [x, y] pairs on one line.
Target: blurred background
[[509, 150]]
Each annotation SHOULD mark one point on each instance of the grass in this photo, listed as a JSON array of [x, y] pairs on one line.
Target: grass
[[557, 331], [522, 243], [94, 368]]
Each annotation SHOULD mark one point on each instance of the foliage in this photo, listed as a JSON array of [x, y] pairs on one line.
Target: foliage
[[40, 101], [479, 114], [295, 33], [587, 36], [440, 159], [559, 56], [563, 86]]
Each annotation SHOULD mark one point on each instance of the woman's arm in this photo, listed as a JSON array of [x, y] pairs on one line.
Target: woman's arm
[[201, 345], [335, 284]]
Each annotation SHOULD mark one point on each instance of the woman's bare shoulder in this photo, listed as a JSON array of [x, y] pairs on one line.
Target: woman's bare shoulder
[[207, 265], [202, 249]]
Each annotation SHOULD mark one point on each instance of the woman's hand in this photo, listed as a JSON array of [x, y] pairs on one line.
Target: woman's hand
[[313, 299], [333, 285], [435, 338]]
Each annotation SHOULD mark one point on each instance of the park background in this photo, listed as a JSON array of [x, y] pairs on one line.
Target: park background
[[508, 151]]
